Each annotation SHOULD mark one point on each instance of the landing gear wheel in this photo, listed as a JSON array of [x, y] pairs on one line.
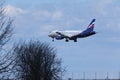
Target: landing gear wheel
[[75, 40], [66, 40], [53, 40]]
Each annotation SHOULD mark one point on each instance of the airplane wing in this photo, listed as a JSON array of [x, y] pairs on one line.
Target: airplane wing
[[73, 36], [62, 34]]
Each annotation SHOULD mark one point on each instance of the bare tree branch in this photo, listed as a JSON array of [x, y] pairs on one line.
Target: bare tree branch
[[37, 61], [6, 58]]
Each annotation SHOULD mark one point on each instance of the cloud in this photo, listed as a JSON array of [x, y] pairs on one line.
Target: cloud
[[41, 14], [57, 15], [40, 20], [14, 11], [102, 6], [46, 14], [28, 21], [113, 39]]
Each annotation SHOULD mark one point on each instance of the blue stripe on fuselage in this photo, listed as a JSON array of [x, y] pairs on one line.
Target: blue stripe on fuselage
[[84, 34]]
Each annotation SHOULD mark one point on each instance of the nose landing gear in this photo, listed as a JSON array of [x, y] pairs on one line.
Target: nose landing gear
[[53, 40]]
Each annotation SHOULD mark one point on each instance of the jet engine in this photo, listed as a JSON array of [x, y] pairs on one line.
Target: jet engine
[[59, 37]]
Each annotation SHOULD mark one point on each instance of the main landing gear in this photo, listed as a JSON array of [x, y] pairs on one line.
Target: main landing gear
[[66, 40], [75, 40]]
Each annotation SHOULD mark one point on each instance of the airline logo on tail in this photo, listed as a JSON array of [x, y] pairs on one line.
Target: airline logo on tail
[[91, 25], [92, 22]]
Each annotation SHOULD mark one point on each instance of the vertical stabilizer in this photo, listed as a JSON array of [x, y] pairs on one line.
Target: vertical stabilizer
[[91, 25]]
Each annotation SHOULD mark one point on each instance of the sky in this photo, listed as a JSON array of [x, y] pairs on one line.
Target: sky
[[99, 53]]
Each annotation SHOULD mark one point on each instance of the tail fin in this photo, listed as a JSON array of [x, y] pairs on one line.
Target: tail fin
[[91, 25]]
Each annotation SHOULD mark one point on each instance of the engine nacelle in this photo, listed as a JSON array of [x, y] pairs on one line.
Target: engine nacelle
[[59, 37]]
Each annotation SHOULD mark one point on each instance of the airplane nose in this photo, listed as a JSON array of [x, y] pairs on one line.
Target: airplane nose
[[49, 35]]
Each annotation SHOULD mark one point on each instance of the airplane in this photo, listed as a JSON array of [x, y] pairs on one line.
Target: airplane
[[73, 35]]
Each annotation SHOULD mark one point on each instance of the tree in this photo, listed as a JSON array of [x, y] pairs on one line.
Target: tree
[[37, 61], [5, 35]]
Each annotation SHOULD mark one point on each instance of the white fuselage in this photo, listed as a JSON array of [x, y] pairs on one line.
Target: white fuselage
[[67, 32]]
